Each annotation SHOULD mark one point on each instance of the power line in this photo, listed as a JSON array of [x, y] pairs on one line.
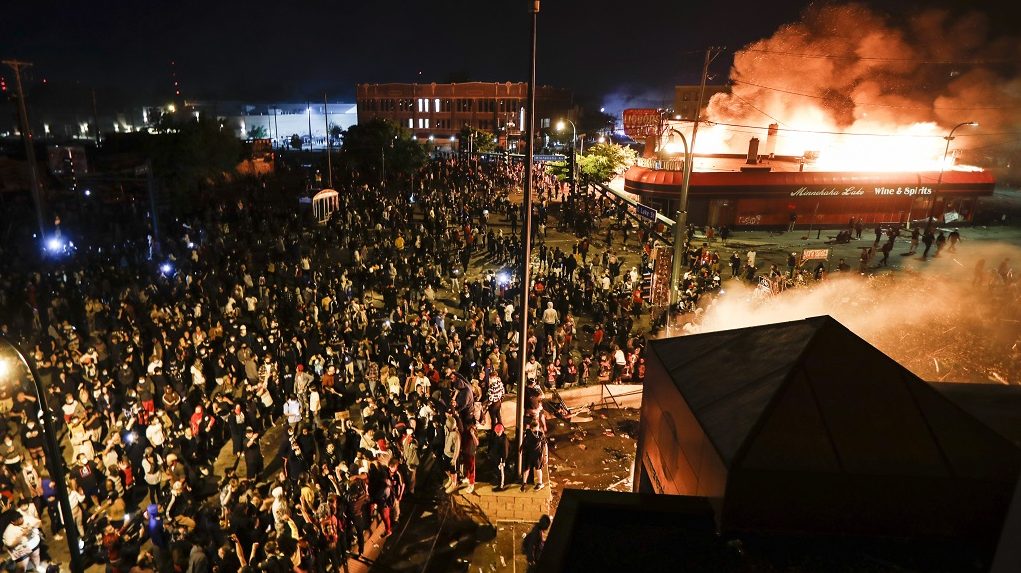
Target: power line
[[823, 132], [753, 106], [837, 98], [877, 59]]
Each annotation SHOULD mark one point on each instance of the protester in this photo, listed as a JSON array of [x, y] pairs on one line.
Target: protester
[[332, 346]]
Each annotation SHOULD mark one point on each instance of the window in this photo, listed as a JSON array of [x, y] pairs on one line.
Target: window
[[411, 123], [423, 105], [545, 122], [464, 105], [436, 104]]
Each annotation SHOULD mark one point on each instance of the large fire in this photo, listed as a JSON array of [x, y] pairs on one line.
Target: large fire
[[915, 147], [880, 95]]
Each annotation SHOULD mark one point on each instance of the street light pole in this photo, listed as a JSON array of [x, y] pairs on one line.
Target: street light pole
[[329, 142], [680, 225], [54, 460], [26, 135], [574, 156], [526, 242], [942, 167]]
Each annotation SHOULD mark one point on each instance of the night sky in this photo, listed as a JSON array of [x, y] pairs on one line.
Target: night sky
[[260, 50]]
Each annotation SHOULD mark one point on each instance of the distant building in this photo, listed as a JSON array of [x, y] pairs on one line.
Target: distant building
[[686, 98], [279, 121], [442, 110]]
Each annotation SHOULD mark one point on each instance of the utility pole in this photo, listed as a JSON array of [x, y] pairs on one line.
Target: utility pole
[[526, 242], [150, 185], [95, 117], [308, 112], [329, 142], [26, 136], [681, 222]]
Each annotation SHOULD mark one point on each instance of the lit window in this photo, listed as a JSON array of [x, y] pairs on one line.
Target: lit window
[[411, 123], [427, 123], [436, 104]]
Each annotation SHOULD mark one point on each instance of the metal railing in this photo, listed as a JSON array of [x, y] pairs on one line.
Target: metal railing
[[668, 224]]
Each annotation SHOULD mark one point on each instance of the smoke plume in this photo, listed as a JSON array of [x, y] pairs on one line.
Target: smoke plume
[[850, 69], [943, 325]]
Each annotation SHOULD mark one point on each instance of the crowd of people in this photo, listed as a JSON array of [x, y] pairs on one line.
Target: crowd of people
[[252, 391]]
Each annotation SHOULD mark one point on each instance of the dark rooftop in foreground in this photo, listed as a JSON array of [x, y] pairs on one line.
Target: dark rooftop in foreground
[[611, 531]]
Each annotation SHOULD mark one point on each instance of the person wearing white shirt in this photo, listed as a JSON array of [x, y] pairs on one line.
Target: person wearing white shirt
[[550, 318], [292, 409], [22, 539], [619, 361], [314, 404], [531, 369], [155, 435]]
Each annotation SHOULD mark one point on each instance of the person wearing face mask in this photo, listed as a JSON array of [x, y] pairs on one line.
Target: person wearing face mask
[[33, 440]]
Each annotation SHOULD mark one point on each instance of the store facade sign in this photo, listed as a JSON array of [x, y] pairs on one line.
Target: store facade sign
[[856, 191]]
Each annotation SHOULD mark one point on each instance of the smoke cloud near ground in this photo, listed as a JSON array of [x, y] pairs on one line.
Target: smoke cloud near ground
[[849, 68], [940, 325]]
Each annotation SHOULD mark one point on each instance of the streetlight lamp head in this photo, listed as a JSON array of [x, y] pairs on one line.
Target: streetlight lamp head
[[5, 368], [973, 123], [560, 125]]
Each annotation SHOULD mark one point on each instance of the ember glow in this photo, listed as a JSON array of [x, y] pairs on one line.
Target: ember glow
[[852, 90]]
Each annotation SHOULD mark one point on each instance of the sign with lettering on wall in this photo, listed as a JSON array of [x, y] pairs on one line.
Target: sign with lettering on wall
[[859, 191]]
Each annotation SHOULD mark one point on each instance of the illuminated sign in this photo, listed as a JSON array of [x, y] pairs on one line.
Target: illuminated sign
[[855, 191], [909, 191]]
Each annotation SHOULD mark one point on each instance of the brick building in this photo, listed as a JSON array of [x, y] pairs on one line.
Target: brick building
[[441, 110]]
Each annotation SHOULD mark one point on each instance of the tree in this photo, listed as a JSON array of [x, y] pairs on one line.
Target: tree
[[479, 140], [336, 132], [194, 152], [602, 163], [296, 141], [257, 132], [379, 149]]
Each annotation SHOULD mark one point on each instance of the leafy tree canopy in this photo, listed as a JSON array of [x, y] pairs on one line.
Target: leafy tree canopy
[[602, 163], [480, 140], [377, 145]]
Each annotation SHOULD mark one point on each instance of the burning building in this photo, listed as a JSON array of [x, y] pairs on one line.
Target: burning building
[[740, 191], [878, 125]]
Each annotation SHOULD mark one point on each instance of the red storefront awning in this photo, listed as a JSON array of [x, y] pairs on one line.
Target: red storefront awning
[[642, 180]]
